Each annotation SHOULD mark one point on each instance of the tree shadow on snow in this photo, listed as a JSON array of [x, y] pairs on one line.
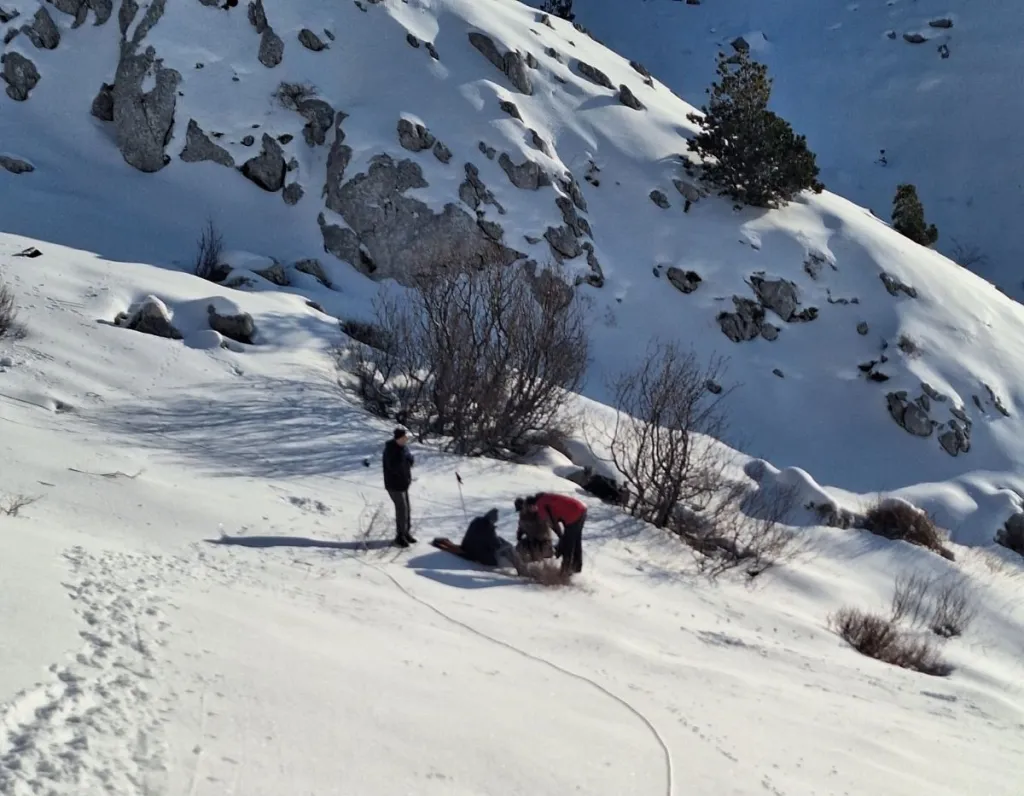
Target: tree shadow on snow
[[262, 542]]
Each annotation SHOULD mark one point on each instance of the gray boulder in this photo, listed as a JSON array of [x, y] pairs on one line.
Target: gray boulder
[[628, 98], [258, 16], [862, 328], [528, 175], [780, 296], [685, 281], [910, 416], [198, 147], [20, 75], [271, 48], [596, 275], [103, 104], [319, 116], [313, 267], [956, 439], [414, 137], [594, 75], [268, 168], [15, 165], [688, 190], [563, 242], [539, 143], [275, 274], [337, 161], [769, 332], [914, 38], [486, 46], [659, 198], [895, 286], [442, 153], [241, 328], [293, 193], [511, 109], [311, 41], [579, 225], [573, 190], [143, 119], [403, 235], [149, 316], [43, 32], [474, 193], [511, 63], [743, 324]]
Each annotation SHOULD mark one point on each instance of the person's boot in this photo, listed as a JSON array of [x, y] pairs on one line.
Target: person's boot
[[400, 541], [410, 538]]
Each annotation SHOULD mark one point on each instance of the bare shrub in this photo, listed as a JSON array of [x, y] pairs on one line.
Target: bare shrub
[[290, 95], [967, 255], [663, 408], [209, 249], [12, 505], [476, 358], [908, 345], [8, 311], [896, 519], [746, 528], [879, 637], [909, 598], [954, 608]]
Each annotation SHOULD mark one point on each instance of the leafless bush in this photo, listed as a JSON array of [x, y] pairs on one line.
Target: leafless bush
[[662, 407], [896, 519], [8, 311], [909, 598], [13, 504], [476, 358], [908, 345], [954, 608], [879, 637], [365, 333], [745, 528], [290, 95], [209, 249], [967, 255]]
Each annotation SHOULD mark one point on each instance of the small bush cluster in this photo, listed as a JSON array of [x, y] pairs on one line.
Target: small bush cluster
[[897, 519], [880, 638], [209, 248], [8, 311]]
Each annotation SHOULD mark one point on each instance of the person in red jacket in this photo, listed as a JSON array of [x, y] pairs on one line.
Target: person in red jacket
[[566, 515]]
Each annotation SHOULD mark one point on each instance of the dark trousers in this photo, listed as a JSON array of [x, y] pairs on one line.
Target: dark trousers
[[572, 546], [403, 519]]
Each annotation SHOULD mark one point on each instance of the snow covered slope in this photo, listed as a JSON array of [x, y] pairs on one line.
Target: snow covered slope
[[846, 77], [193, 93], [143, 652]]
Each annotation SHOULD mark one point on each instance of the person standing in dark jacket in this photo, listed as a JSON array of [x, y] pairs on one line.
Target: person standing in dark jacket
[[398, 462]]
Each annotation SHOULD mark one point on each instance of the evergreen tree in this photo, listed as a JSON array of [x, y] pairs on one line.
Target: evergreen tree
[[756, 157], [908, 216], [559, 8]]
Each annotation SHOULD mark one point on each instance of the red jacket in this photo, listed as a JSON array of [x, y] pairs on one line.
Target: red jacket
[[561, 508]]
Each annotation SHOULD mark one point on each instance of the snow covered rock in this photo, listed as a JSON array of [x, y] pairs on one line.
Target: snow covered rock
[[780, 296], [314, 268], [746, 323], [511, 63], [659, 198], [594, 75], [895, 286], [198, 147], [15, 165], [43, 32], [414, 137], [292, 193], [628, 98], [239, 327], [268, 168], [311, 41], [528, 175], [685, 281], [20, 75], [910, 416], [149, 316]]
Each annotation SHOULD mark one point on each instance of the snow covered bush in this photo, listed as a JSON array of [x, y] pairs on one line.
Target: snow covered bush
[[881, 638], [662, 409], [897, 519], [908, 216], [209, 249], [751, 153], [478, 358], [8, 310]]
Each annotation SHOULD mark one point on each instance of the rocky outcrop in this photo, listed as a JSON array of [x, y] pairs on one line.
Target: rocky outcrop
[[780, 296], [344, 244], [239, 327], [271, 48], [319, 116], [149, 316], [15, 165], [747, 322], [258, 16], [689, 191], [511, 63], [103, 104], [268, 168], [315, 269], [577, 223], [563, 242], [442, 153], [414, 137], [79, 9], [594, 75], [311, 41], [198, 147], [20, 75], [527, 175], [909, 415], [43, 32], [511, 109], [402, 235], [628, 98], [292, 193], [895, 286], [685, 281], [474, 193], [8, 15]]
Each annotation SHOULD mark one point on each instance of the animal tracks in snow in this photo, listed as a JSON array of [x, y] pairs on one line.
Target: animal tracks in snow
[[95, 727]]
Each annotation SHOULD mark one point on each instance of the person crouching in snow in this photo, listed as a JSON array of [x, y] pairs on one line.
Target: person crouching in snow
[[570, 514], [483, 545], [533, 536]]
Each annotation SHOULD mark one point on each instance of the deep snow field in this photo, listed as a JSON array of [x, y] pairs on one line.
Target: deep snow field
[[199, 602], [138, 654]]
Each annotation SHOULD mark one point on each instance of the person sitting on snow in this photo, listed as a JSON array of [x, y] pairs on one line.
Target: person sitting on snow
[[570, 514], [533, 534], [483, 545]]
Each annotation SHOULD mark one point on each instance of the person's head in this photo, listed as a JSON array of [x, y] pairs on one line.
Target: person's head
[[401, 437], [530, 506]]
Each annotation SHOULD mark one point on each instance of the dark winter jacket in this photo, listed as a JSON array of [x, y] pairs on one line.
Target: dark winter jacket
[[397, 467], [481, 542]]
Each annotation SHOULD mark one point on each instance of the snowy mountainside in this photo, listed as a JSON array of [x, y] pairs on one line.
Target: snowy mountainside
[[867, 361], [847, 78]]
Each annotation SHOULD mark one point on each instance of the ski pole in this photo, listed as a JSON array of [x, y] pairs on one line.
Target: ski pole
[[465, 514]]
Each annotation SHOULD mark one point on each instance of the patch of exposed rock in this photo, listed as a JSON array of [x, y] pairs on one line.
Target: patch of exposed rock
[[780, 296], [527, 175], [149, 316], [20, 75], [474, 193], [442, 153], [271, 48], [910, 416], [268, 168], [895, 286], [511, 63], [414, 137], [319, 116], [628, 98], [594, 75], [315, 269], [292, 193], [240, 327], [747, 322], [311, 41], [659, 198], [198, 147], [15, 165], [103, 104], [43, 32], [685, 281]]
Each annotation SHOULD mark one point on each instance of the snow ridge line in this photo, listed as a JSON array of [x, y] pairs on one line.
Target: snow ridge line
[[669, 768]]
